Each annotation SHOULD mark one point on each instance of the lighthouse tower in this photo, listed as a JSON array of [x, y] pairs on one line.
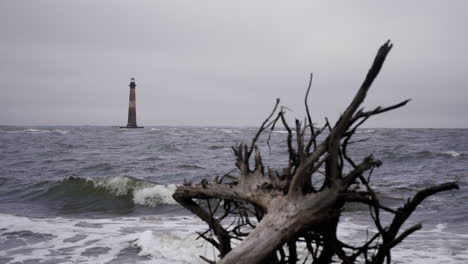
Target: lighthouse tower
[[132, 106]]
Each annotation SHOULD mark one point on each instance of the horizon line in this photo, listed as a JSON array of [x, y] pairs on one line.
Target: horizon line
[[236, 126]]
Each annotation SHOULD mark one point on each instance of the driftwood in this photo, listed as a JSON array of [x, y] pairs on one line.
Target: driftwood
[[265, 216]]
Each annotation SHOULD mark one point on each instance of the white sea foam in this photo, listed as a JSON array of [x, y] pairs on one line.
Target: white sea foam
[[453, 153], [71, 240], [171, 247], [431, 246], [36, 131], [365, 131], [120, 185], [152, 196], [44, 131], [144, 192], [59, 131], [280, 131], [228, 131], [172, 239]]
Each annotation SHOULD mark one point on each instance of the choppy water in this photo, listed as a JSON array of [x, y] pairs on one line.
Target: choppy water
[[103, 195]]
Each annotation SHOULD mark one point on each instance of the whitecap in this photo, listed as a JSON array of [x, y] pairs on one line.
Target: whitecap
[[152, 196], [45, 131], [453, 153], [120, 185], [58, 131], [170, 247], [365, 131], [228, 131], [280, 131], [144, 192], [36, 131], [13, 131]]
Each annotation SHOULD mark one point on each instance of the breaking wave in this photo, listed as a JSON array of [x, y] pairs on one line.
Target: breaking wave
[[142, 192], [37, 131], [228, 131], [74, 194], [365, 131], [280, 131], [148, 239], [42, 131], [453, 153]]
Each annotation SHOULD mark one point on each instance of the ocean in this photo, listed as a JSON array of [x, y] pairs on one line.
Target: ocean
[[103, 195]]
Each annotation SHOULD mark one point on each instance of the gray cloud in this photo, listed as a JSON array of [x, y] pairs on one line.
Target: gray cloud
[[218, 63]]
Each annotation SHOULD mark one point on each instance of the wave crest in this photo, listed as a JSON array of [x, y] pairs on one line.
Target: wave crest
[[453, 153], [157, 194], [77, 195], [143, 192]]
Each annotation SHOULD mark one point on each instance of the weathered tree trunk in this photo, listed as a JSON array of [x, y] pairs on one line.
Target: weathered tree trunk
[[285, 218], [290, 211]]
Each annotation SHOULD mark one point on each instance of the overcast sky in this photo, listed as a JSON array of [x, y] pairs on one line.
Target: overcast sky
[[224, 62]]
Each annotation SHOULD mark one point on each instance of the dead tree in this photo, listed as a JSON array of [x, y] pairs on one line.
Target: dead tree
[[268, 214]]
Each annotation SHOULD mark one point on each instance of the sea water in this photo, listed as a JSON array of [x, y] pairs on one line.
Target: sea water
[[104, 195]]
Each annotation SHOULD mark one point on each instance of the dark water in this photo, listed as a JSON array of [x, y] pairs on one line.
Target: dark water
[[103, 195]]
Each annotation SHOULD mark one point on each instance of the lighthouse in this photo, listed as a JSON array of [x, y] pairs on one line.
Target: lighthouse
[[132, 123]]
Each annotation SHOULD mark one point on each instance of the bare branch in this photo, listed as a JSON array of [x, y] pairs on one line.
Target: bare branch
[[309, 118], [366, 164], [260, 130]]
